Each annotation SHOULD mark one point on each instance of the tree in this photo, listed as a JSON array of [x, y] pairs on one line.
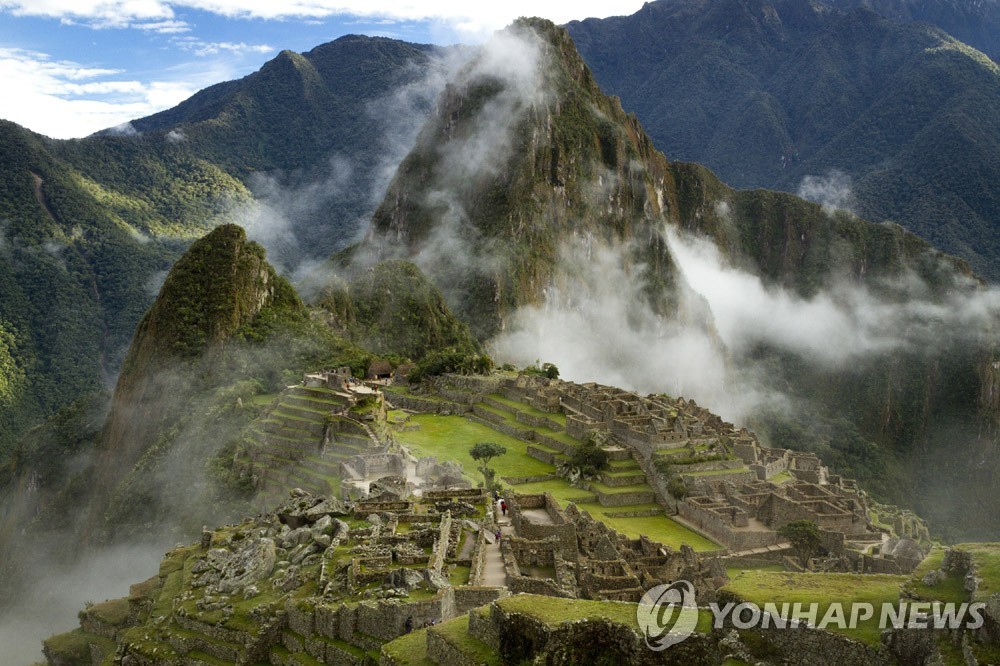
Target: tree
[[483, 453], [804, 537], [589, 457]]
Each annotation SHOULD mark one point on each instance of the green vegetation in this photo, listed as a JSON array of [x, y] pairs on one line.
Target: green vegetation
[[589, 458], [456, 633], [804, 537], [451, 438], [409, 649], [762, 587], [394, 309], [950, 589], [742, 117], [483, 453], [554, 611], [986, 558]]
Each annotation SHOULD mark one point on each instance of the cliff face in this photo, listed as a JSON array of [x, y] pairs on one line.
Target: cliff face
[[521, 160], [518, 156], [220, 287], [892, 117]]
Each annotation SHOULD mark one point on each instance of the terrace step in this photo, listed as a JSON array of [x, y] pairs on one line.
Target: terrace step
[[288, 410]]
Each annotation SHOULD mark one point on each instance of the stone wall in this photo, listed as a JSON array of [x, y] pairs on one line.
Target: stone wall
[[478, 558], [563, 530], [424, 406], [441, 546], [538, 421], [467, 597], [724, 533], [626, 499]]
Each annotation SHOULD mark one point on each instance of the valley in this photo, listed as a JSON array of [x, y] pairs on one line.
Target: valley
[[430, 355]]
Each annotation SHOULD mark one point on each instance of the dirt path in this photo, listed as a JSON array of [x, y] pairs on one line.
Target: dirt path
[[494, 573]]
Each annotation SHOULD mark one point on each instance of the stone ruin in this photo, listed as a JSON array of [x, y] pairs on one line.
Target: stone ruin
[[566, 553], [732, 497]]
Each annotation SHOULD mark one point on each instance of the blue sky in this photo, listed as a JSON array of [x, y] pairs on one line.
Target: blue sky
[[71, 67]]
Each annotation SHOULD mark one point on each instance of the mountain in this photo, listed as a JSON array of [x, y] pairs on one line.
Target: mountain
[[526, 178], [322, 124], [297, 152], [975, 22], [894, 121]]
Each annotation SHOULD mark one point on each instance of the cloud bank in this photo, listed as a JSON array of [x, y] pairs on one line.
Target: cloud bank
[[597, 326]]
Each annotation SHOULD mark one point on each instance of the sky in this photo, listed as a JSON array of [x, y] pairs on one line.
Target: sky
[[69, 68]]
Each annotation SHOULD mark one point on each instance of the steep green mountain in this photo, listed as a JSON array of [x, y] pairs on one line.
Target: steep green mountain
[[393, 308], [513, 167], [975, 22], [81, 246], [89, 227], [768, 93], [324, 124]]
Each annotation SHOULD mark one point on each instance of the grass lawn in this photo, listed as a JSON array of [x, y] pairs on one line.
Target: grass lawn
[[949, 589], [559, 488], [509, 419], [658, 528], [456, 633], [762, 587], [986, 557], [736, 571], [554, 611], [409, 649], [451, 437], [558, 417]]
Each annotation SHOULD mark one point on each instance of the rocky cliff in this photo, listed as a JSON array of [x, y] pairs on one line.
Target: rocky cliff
[[218, 291], [524, 158]]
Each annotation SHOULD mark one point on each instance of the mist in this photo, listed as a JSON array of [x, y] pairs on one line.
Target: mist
[[59, 591], [304, 218], [597, 325]]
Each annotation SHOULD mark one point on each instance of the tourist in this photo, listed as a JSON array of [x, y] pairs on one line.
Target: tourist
[[503, 506], [409, 624], [497, 535]]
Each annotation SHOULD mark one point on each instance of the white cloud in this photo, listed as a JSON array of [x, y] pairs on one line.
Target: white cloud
[[832, 191], [202, 48], [475, 18], [64, 99]]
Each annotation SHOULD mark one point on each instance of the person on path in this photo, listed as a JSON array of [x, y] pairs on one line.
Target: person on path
[[503, 506]]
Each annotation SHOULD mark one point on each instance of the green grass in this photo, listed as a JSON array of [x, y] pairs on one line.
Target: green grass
[[74, 646], [986, 557], [459, 575], [263, 399], [451, 437], [951, 588], [409, 649], [113, 612], [558, 417], [597, 486], [554, 611], [733, 572], [781, 477], [762, 587], [509, 420], [660, 528], [456, 633]]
